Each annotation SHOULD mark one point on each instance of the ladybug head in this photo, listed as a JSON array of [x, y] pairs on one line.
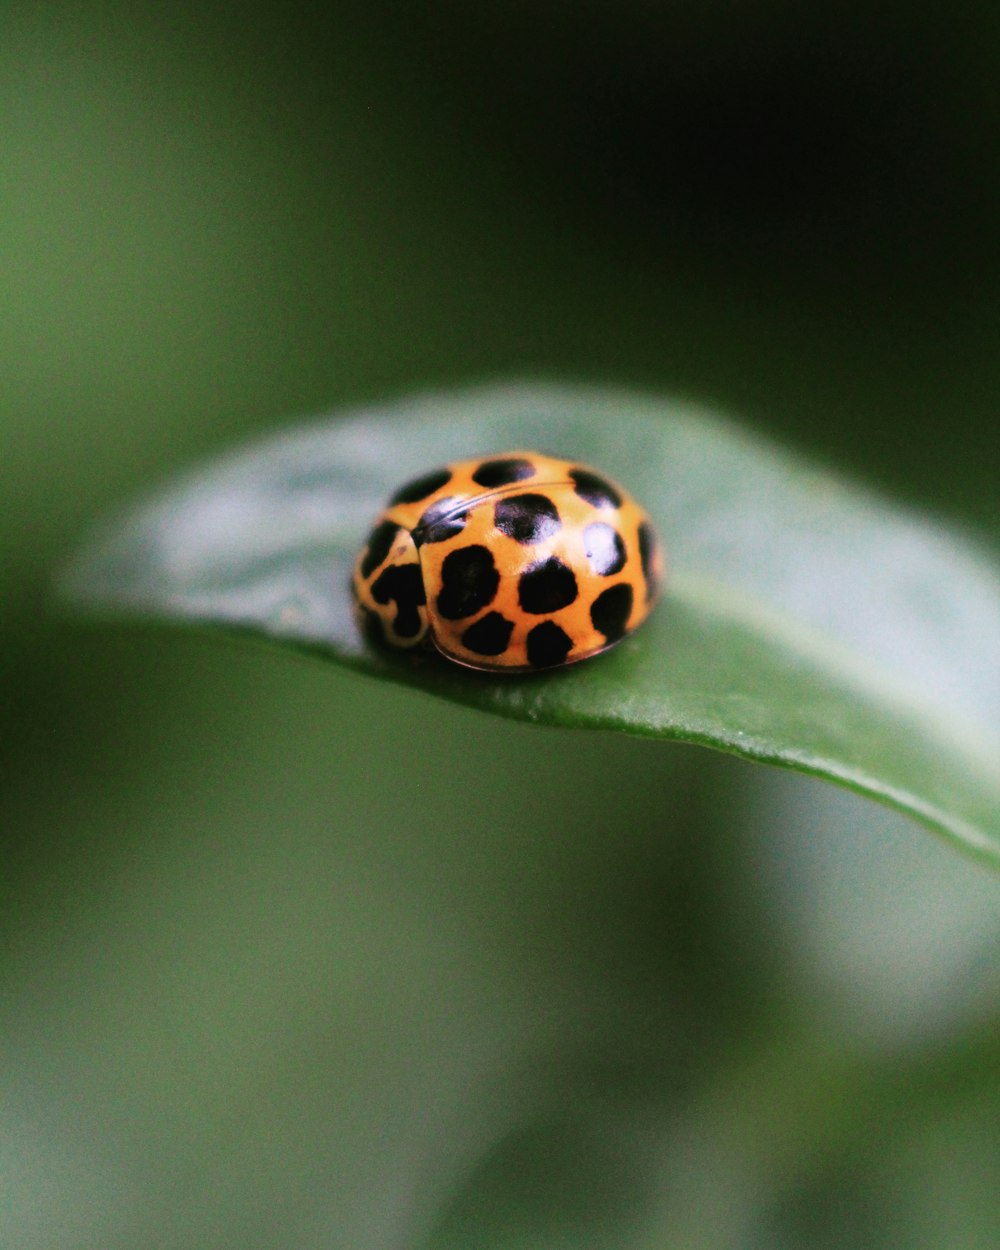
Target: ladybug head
[[388, 587]]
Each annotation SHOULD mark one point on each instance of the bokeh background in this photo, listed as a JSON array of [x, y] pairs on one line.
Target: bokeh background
[[290, 960]]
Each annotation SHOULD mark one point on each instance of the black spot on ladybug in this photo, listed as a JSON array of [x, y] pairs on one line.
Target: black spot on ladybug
[[469, 580], [526, 518], [611, 609], [371, 626], [421, 487], [547, 645], [597, 490], [403, 585], [605, 549], [490, 635], [379, 545], [441, 521], [647, 553], [502, 472], [546, 586]]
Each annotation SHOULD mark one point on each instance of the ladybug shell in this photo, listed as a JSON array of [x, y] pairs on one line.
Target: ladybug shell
[[509, 563]]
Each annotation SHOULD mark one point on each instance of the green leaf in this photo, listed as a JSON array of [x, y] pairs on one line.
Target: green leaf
[[806, 623]]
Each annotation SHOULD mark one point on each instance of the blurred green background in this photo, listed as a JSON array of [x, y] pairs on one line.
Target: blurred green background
[[290, 960]]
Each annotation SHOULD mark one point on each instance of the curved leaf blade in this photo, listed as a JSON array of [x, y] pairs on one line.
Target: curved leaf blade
[[806, 623]]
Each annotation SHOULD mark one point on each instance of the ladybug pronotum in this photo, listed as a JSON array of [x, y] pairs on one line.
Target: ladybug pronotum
[[508, 563]]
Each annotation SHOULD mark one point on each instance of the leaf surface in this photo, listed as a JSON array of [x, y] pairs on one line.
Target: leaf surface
[[806, 623]]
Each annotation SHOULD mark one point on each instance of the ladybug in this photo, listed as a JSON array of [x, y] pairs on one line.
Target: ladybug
[[508, 563]]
